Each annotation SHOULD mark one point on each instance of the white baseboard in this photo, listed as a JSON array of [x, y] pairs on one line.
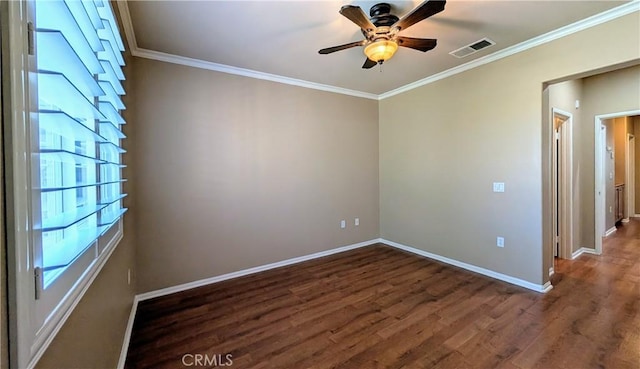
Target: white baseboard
[[127, 333], [220, 278], [203, 282], [583, 250], [610, 231], [242, 273], [625, 220], [489, 273]]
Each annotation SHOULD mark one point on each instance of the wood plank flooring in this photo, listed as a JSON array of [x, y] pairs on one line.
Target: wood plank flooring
[[378, 307]]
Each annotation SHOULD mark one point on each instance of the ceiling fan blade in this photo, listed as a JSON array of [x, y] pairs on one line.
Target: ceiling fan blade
[[422, 44], [357, 16], [333, 49], [422, 11], [368, 64]]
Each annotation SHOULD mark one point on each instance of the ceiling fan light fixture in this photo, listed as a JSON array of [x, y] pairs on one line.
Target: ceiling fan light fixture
[[381, 50]]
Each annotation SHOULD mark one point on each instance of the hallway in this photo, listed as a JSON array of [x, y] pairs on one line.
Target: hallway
[[601, 294]]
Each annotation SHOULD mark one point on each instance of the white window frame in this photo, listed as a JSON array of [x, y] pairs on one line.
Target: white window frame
[[28, 341]]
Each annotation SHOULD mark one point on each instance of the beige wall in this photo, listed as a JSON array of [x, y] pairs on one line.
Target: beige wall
[[443, 144], [620, 136], [636, 133], [236, 172], [606, 93], [630, 187]]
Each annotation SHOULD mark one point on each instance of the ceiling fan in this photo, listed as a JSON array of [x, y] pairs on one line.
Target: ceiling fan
[[381, 32]]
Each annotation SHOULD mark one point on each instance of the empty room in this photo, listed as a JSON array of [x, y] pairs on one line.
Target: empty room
[[320, 184]]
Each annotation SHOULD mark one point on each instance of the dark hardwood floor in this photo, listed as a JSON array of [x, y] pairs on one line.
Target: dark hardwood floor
[[378, 307]]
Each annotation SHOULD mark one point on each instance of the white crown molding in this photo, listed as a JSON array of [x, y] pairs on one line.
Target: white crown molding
[[594, 20], [127, 25], [580, 25], [197, 63]]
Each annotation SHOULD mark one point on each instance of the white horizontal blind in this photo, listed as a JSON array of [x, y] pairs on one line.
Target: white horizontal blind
[[79, 83]]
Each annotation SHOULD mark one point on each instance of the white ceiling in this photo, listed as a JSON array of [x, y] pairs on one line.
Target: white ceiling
[[283, 37]]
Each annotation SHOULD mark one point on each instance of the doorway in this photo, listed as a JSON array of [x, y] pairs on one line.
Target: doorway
[[562, 179], [600, 175]]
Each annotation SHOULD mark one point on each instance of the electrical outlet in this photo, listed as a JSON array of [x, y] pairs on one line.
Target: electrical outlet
[[343, 224], [498, 186], [500, 241], [356, 222]]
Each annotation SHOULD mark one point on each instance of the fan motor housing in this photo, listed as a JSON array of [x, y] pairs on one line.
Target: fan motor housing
[[381, 15]]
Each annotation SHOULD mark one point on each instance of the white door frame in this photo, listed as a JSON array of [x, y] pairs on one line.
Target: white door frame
[[630, 185], [600, 184], [562, 183]]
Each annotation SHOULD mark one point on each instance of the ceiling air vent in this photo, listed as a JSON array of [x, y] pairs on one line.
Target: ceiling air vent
[[472, 48]]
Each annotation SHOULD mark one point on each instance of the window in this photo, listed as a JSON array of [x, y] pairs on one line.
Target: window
[[71, 136]]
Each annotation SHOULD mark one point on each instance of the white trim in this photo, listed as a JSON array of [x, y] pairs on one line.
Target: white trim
[[220, 278], [261, 268], [610, 231], [599, 173], [127, 333], [197, 63], [583, 24], [625, 220], [20, 281], [600, 187], [563, 181], [244, 272], [583, 250], [473, 268], [526, 45], [127, 25], [203, 282], [636, 216]]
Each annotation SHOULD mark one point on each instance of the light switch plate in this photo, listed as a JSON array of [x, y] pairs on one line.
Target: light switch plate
[[498, 186]]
